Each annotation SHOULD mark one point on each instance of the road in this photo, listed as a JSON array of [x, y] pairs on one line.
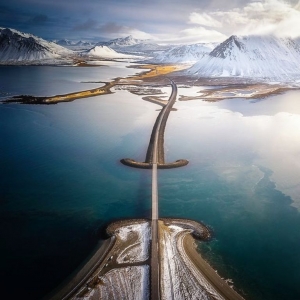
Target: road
[[155, 278]]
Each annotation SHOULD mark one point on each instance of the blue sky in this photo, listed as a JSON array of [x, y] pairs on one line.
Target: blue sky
[[168, 21]]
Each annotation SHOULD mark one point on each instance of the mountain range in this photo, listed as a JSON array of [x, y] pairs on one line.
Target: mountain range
[[132, 46], [264, 57]]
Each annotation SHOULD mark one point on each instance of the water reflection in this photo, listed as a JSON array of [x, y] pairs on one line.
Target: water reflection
[[220, 133]]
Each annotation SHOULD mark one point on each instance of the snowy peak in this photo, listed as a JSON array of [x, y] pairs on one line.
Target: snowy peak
[[128, 41], [121, 42], [266, 57], [83, 43], [184, 53], [131, 45], [230, 45], [255, 47], [64, 42], [104, 52], [18, 46]]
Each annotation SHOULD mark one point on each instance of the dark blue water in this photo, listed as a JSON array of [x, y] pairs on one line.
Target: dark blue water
[[61, 183]]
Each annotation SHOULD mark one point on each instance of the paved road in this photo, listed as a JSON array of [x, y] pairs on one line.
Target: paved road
[[161, 123], [155, 278]]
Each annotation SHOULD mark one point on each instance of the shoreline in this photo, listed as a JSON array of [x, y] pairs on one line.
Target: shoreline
[[206, 270], [127, 252], [155, 71], [156, 74], [71, 284]]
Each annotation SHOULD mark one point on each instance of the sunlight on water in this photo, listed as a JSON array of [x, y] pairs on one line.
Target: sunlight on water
[[61, 179]]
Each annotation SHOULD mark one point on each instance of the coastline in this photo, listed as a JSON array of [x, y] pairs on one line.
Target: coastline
[[155, 71], [206, 270], [156, 74], [83, 272], [127, 254]]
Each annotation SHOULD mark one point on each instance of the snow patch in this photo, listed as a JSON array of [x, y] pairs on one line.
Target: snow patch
[[138, 238]]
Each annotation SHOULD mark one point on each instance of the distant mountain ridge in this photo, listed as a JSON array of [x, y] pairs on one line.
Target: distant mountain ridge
[[18, 46], [132, 45], [65, 42], [261, 57], [121, 42], [73, 44], [184, 53], [251, 56]]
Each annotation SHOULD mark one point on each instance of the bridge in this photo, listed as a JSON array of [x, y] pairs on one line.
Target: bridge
[[156, 143], [157, 157]]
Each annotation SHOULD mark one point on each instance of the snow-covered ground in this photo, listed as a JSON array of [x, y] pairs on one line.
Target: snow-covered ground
[[138, 249], [122, 283], [180, 278], [125, 272]]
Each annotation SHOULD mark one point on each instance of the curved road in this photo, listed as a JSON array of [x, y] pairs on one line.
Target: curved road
[[157, 141], [155, 287]]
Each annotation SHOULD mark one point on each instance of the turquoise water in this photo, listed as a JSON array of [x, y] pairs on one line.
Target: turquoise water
[[61, 180]]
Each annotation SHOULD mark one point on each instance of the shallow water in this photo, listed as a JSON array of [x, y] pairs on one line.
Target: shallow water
[[61, 180]]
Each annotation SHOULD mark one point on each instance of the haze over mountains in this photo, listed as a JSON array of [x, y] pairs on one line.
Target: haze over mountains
[[265, 57]]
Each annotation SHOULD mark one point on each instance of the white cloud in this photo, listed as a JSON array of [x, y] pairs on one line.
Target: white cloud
[[259, 17], [111, 30], [202, 34], [138, 34], [192, 35], [204, 19]]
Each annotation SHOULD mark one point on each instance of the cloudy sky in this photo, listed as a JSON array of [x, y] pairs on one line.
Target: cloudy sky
[[166, 21]]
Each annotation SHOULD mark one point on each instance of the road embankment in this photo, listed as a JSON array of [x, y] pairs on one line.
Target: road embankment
[[207, 271]]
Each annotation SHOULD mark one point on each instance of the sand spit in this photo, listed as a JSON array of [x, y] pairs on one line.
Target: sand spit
[[124, 271]]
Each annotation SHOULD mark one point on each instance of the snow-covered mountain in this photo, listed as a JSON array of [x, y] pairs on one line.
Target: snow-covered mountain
[[121, 42], [184, 53], [75, 45], [18, 46], [85, 44], [131, 45], [104, 52], [65, 42], [266, 57]]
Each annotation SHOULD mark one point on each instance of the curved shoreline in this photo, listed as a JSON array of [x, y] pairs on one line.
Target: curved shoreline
[[155, 71], [207, 271], [71, 285], [112, 257]]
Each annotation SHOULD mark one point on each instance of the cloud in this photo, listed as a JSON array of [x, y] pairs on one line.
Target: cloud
[[201, 34], [39, 20], [259, 17], [204, 19], [85, 26], [113, 29]]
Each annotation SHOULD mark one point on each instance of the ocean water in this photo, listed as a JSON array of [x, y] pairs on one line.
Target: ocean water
[[62, 182]]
